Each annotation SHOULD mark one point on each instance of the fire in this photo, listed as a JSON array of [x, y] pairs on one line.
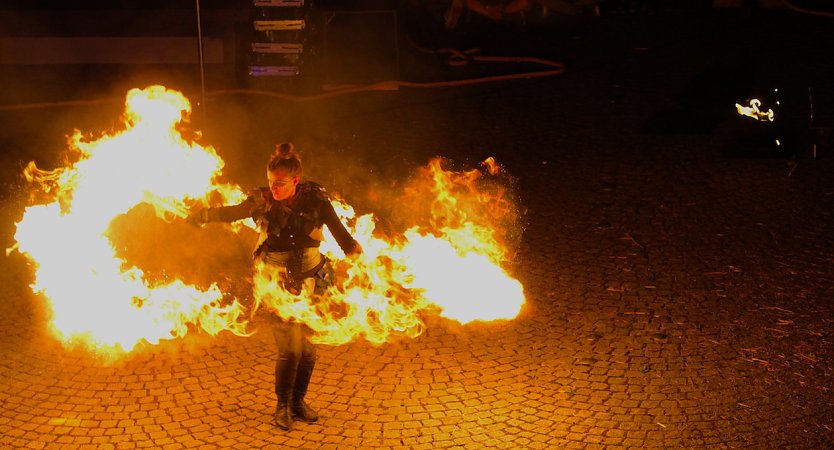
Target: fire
[[448, 259], [451, 265], [753, 111], [96, 298]]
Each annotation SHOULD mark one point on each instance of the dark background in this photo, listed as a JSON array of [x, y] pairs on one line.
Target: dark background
[[670, 249], [632, 68]]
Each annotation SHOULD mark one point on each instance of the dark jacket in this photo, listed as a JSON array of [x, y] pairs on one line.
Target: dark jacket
[[291, 224]]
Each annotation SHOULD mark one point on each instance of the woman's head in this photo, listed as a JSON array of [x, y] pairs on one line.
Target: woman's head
[[283, 171]]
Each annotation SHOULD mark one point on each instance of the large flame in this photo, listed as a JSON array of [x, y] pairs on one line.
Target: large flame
[[450, 265], [95, 296], [447, 261]]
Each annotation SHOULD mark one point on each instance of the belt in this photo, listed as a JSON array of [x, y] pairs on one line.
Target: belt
[[312, 272]]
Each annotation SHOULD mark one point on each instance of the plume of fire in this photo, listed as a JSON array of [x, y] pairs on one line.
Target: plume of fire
[[449, 263], [752, 110], [96, 298]]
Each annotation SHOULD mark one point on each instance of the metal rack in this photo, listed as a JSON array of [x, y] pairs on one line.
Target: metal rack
[[281, 30]]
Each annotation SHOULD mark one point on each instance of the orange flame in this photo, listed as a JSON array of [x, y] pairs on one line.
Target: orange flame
[[449, 263], [94, 298], [451, 266]]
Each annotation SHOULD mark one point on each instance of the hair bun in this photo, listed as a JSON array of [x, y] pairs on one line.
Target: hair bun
[[285, 158], [285, 150]]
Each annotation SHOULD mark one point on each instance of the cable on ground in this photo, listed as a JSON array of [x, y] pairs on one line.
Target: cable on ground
[[816, 12], [455, 58]]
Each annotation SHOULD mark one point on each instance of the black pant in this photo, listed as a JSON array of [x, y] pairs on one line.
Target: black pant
[[296, 360]]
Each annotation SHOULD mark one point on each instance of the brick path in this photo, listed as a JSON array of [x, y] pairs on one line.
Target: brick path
[[679, 296]]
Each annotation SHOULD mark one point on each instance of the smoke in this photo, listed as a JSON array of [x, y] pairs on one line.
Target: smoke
[[362, 168], [168, 250]]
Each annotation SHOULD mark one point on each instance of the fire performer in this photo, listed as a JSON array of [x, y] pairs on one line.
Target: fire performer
[[290, 215]]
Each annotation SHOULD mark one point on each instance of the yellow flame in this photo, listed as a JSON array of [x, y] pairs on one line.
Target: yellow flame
[[453, 270], [447, 261], [753, 111], [95, 296]]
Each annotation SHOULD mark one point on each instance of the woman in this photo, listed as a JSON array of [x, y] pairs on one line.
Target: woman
[[290, 215]]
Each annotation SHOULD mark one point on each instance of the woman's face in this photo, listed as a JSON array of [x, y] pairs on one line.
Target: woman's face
[[281, 184]]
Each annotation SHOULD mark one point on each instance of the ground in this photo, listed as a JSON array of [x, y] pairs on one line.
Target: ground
[[678, 270]]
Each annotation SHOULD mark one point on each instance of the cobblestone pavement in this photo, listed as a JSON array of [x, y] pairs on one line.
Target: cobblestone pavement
[[679, 291]]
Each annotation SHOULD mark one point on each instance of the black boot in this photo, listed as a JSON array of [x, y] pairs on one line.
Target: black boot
[[303, 412], [283, 417], [300, 409], [285, 373]]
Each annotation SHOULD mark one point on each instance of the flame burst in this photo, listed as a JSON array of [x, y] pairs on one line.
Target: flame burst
[[97, 298], [447, 264], [451, 265]]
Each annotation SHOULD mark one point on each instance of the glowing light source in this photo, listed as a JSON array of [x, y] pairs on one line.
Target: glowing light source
[[752, 110], [450, 263]]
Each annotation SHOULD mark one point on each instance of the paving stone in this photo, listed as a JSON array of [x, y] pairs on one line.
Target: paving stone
[[678, 296]]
